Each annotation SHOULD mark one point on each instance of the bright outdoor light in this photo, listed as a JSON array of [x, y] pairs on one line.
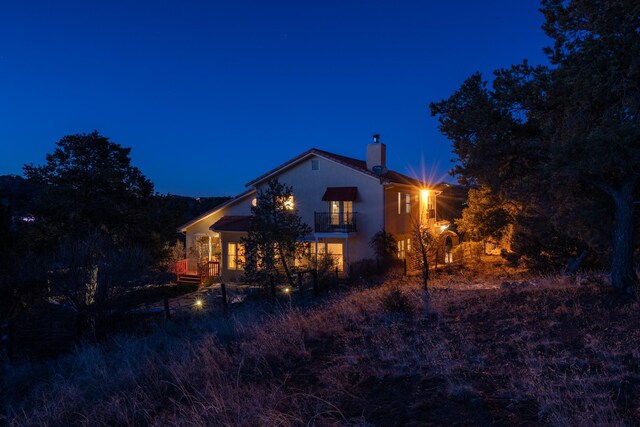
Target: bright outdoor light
[[198, 304], [425, 194], [287, 290]]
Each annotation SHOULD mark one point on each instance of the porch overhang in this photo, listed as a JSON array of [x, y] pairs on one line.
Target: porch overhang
[[232, 223]]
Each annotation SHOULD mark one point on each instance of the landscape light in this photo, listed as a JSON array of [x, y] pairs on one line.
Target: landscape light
[[287, 290], [198, 304]]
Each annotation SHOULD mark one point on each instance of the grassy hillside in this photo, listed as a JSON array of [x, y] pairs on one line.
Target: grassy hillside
[[552, 351]]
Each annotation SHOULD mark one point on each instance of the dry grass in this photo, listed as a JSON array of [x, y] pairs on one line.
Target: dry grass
[[545, 351]]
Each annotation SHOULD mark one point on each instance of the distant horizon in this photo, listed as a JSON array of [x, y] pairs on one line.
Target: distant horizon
[[208, 96]]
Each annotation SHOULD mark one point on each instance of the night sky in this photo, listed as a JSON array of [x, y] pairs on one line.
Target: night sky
[[212, 94]]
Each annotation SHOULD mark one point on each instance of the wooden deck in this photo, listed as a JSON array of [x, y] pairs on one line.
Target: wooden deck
[[205, 271]]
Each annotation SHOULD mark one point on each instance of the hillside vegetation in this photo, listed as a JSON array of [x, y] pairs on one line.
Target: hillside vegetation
[[541, 350]]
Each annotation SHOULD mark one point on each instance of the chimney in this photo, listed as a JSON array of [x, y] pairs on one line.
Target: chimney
[[376, 155]]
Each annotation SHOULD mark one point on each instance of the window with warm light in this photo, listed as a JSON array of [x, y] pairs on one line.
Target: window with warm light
[[427, 204], [407, 203], [235, 256], [334, 251], [401, 252], [399, 203], [289, 204], [340, 212]]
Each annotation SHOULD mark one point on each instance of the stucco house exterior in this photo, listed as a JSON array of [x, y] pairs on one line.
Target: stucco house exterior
[[344, 200]]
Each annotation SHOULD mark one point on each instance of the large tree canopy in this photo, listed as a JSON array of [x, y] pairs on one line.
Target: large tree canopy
[[87, 184], [562, 141]]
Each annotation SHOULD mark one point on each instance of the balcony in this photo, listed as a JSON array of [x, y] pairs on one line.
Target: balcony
[[326, 222]]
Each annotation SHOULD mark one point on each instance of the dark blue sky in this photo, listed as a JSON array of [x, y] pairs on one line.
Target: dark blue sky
[[211, 94]]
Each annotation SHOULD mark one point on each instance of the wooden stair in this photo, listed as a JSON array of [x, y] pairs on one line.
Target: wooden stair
[[193, 279]]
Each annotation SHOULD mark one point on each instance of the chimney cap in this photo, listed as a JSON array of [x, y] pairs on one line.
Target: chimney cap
[[376, 138]]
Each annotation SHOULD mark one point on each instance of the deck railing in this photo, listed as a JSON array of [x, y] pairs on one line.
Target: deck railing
[[327, 222], [208, 269], [181, 268]]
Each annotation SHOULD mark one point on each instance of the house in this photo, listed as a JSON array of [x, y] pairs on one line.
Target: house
[[344, 200]]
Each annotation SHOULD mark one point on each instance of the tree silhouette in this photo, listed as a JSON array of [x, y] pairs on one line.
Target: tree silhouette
[[275, 234], [563, 141], [87, 184]]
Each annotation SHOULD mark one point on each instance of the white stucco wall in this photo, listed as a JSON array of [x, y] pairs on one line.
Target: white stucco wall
[[242, 206], [310, 185]]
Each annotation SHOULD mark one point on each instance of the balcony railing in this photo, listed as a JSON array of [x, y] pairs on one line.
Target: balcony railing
[[326, 222]]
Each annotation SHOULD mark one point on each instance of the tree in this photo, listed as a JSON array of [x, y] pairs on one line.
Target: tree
[[88, 184], [91, 274], [426, 242], [385, 247], [275, 233], [22, 279], [563, 140], [487, 217], [22, 276]]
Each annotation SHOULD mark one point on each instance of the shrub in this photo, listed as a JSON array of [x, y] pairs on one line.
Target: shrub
[[395, 301], [385, 247], [468, 251]]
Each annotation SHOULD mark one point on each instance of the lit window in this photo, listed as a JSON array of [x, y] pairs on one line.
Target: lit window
[[401, 253], [288, 204], [315, 164], [399, 203], [408, 245], [341, 213], [232, 249], [334, 250], [407, 202], [235, 256]]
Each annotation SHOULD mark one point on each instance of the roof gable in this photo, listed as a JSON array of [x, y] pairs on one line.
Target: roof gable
[[228, 203], [355, 164]]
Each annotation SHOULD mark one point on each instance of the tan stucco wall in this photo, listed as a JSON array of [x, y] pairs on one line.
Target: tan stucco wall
[[400, 225]]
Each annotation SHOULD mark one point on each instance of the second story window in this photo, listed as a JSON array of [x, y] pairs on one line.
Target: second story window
[[404, 203], [339, 216], [288, 204], [340, 212], [315, 164]]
